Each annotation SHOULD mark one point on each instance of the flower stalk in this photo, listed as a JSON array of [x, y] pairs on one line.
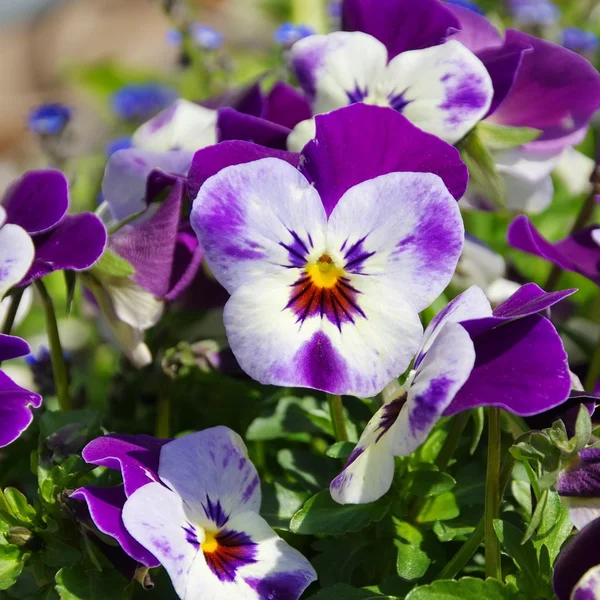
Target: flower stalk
[[492, 495], [457, 428], [336, 409], [13, 308], [59, 368]]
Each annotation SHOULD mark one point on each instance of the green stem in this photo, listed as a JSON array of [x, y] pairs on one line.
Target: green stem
[[336, 408], [163, 416], [59, 368], [459, 422], [593, 373], [492, 496], [15, 301], [468, 549]]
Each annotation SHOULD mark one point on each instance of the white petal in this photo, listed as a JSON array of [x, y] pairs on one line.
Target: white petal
[[531, 165], [301, 135], [582, 510], [500, 290], [447, 88], [526, 196], [16, 255], [575, 170], [182, 126]]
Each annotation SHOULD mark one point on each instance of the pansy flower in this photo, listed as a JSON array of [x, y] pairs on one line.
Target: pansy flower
[[470, 356], [537, 84], [394, 53], [136, 457], [37, 203], [579, 252], [329, 265], [202, 522], [15, 402]]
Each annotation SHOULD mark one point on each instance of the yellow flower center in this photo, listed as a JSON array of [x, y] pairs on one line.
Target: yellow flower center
[[324, 273], [210, 543]]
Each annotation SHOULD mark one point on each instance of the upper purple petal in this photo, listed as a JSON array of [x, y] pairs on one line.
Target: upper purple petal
[[286, 106], [186, 263], [578, 253], [234, 125], [529, 299], [15, 409], [360, 142], [209, 161], [580, 555], [37, 201], [521, 366], [400, 24], [475, 31], [556, 90], [12, 347], [75, 244], [582, 479], [136, 456]]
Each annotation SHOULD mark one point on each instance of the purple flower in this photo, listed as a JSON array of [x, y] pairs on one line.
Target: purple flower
[[136, 457], [470, 356], [288, 34], [329, 270], [15, 402], [580, 252], [395, 53], [141, 101], [49, 119], [201, 521], [37, 203], [579, 40]]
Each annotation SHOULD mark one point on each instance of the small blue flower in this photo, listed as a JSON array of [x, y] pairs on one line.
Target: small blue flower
[[174, 37], [206, 37], [121, 143], [534, 12], [579, 40], [288, 34], [467, 4], [49, 119], [142, 101]]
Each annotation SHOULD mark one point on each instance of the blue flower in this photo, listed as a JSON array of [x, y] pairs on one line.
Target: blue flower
[[467, 4], [579, 40], [206, 37], [142, 101], [288, 34], [49, 119]]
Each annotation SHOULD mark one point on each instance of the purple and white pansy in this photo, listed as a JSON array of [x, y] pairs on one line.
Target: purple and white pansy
[[394, 54], [510, 357], [329, 265], [201, 521]]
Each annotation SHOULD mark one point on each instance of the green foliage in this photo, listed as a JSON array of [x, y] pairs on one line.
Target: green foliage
[[503, 137], [78, 583], [466, 588], [111, 264]]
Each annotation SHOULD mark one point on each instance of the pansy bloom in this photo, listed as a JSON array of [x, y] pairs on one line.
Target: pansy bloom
[[470, 356], [38, 202], [15, 402], [202, 523], [391, 54], [329, 265]]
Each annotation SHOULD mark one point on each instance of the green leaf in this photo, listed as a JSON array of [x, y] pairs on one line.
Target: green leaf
[[312, 471], [467, 588], [583, 428], [58, 554], [18, 506], [322, 515], [555, 527], [439, 508], [412, 561], [482, 169], [478, 418], [12, 561], [340, 450], [46, 593], [503, 137], [426, 484], [347, 592], [536, 517], [338, 558], [111, 264], [77, 583], [280, 503]]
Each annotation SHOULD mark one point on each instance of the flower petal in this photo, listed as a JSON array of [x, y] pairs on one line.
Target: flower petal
[[582, 511], [400, 24], [135, 456], [253, 219], [521, 367], [211, 472], [445, 90], [155, 517], [127, 171], [106, 507], [556, 91], [75, 244], [337, 69], [210, 161], [16, 255], [360, 142], [474, 31], [37, 201], [285, 106], [12, 347], [182, 126], [234, 125], [15, 409], [588, 587], [529, 299]]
